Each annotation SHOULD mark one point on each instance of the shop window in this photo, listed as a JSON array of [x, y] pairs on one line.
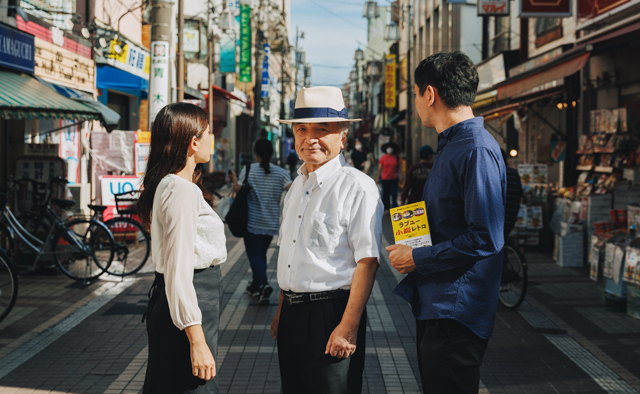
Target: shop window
[[120, 104], [501, 35], [547, 30]]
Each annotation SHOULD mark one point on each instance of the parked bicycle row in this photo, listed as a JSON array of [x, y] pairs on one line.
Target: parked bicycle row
[[36, 234]]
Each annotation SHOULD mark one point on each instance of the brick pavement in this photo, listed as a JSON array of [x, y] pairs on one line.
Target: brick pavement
[[65, 338]]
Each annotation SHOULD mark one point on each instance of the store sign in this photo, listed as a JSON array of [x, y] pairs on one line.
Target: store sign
[[227, 54], [493, 7], [131, 59], [491, 72], [545, 8], [245, 43], [159, 78], [535, 62], [403, 74], [589, 9], [265, 73], [115, 184], [390, 81], [191, 40], [141, 149], [16, 50], [63, 66], [70, 151]]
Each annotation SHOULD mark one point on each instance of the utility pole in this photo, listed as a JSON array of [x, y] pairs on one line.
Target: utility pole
[[407, 139], [159, 79], [180, 73], [283, 91], [210, 66]]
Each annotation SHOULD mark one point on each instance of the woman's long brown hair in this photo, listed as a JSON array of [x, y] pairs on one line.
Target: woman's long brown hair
[[172, 131]]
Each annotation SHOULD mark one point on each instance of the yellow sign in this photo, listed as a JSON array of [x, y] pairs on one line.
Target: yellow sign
[[61, 66], [390, 81], [143, 137], [410, 225]]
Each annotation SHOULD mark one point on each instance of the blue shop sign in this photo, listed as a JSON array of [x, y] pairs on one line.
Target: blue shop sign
[[17, 50]]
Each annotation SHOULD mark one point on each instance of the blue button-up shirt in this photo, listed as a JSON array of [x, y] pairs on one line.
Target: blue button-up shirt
[[459, 276]]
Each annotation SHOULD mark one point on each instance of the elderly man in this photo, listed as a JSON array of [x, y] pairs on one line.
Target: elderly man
[[453, 285], [330, 240]]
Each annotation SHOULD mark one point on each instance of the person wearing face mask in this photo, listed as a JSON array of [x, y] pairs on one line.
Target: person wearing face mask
[[358, 157], [388, 174], [330, 240]]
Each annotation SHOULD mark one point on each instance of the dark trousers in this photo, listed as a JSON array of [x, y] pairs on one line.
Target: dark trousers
[[449, 357], [256, 246], [303, 333], [389, 193]]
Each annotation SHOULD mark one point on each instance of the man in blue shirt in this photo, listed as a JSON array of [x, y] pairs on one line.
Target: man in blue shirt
[[453, 285]]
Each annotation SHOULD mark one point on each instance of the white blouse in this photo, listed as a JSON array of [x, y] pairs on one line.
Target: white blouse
[[186, 235]]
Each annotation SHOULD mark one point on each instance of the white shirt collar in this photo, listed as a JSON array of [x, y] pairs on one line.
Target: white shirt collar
[[324, 172]]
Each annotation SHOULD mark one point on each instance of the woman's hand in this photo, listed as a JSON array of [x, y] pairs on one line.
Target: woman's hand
[[202, 363]]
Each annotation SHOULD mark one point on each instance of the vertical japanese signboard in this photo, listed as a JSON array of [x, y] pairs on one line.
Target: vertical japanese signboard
[[390, 81], [142, 146], [158, 78], [245, 43], [265, 72], [227, 54], [493, 7]]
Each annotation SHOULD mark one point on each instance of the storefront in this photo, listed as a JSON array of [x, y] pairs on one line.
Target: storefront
[[31, 112]]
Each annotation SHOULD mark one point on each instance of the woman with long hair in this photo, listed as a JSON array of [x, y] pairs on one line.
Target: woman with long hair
[[267, 181], [188, 245]]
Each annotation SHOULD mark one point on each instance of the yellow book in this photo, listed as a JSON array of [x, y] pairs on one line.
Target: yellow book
[[410, 225]]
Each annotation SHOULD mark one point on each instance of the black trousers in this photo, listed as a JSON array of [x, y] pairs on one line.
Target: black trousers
[[449, 357], [303, 333]]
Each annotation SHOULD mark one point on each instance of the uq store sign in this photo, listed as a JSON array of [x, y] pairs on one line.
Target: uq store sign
[[17, 50], [112, 184]]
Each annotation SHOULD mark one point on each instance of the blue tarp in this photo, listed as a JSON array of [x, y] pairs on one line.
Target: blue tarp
[[115, 79]]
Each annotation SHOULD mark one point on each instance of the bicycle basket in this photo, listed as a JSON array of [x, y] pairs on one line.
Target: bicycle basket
[[126, 202], [26, 200]]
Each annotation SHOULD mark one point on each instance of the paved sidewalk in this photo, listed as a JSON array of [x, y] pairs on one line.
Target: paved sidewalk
[[66, 338]]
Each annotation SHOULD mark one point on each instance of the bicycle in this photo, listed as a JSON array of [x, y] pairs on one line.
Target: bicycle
[[82, 251], [8, 284], [513, 285], [132, 241]]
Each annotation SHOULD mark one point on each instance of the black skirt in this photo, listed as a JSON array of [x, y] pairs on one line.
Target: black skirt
[[169, 367]]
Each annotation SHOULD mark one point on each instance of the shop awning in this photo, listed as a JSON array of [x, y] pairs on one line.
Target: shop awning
[[508, 109], [108, 77], [397, 118], [24, 97], [225, 93], [109, 117], [561, 70]]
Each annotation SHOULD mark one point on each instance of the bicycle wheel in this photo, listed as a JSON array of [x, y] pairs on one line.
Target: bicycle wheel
[[133, 246], [8, 284], [513, 286], [89, 262]]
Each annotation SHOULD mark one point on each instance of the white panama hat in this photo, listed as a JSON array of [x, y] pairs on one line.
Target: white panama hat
[[320, 104]]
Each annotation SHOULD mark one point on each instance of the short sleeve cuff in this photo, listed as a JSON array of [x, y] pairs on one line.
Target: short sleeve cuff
[[367, 254], [185, 325], [422, 258]]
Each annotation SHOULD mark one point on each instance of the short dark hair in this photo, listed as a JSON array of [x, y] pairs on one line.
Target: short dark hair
[[452, 74]]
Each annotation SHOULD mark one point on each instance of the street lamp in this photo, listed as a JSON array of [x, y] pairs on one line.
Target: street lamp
[[371, 10], [391, 32], [359, 55]]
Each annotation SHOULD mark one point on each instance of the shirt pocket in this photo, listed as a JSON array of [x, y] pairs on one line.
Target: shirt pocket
[[325, 233]]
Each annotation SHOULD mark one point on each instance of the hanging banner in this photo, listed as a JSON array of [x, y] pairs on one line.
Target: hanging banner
[[390, 81], [245, 43], [493, 7], [545, 8], [159, 78], [227, 54], [265, 72]]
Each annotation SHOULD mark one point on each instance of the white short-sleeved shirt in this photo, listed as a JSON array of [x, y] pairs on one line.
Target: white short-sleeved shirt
[[186, 234], [332, 218]]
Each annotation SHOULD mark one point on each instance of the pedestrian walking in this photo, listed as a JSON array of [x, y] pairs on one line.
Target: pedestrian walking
[[292, 162], [329, 250], [189, 244], [267, 181], [358, 157], [514, 196], [417, 177], [453, 285], [388, 175]]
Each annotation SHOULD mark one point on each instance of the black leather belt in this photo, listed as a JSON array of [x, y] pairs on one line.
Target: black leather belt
[[292, 298]]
